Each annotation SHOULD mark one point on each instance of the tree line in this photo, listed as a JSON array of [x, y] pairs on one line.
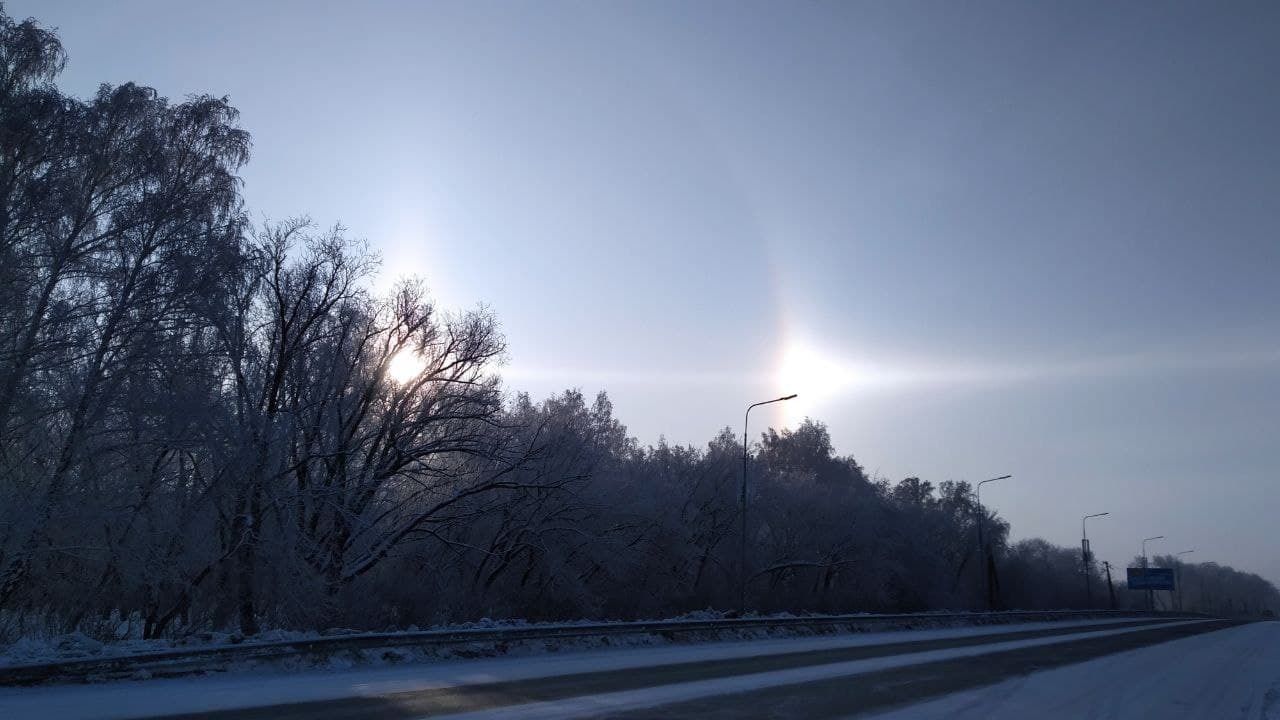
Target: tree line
[[205, 423]]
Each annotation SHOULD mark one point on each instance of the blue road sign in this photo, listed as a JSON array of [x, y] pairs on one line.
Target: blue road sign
[[1150, 578]]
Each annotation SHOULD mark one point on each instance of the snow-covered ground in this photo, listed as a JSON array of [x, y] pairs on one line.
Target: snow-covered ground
[[651, 698], [78, 646], [280, 651], [160, 696], [1231, 674]]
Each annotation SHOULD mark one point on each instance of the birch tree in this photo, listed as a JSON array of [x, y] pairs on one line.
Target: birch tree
[[114, 210]]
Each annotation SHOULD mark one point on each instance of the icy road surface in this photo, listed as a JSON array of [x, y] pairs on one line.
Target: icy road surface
[[1233, 674], [716, 679], [151, 698], [758, 694]]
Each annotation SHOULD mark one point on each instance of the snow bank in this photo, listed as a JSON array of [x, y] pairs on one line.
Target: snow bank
[[87, 659], [78, 646]]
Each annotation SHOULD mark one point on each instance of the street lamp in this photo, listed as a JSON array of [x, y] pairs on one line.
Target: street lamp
[[742, 545], [1177, 571], [1206, 601], [1150, 596], [1084, 554], [982, 557], [1144, 547], [1084, 530]]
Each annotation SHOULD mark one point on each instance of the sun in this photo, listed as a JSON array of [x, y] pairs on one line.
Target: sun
[[405, 366], [812, 376], [821, 379]]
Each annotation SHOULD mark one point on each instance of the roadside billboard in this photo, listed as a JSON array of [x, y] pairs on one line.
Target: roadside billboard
[[1150, 578]]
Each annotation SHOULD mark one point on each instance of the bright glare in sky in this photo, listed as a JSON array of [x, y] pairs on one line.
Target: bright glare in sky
[[824, 379], [405, 366], [812, 375]]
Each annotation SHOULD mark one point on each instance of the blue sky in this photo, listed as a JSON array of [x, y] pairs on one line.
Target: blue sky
[[978, 239]]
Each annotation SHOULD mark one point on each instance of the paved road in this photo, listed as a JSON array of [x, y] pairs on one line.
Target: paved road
[[904, 688], [1227, 675], [519, 699], [814, 677]]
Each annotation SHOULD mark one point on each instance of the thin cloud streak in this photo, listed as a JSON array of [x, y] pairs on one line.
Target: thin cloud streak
[[834, 374]]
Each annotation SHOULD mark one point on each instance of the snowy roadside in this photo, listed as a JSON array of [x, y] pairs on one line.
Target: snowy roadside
[[80, 658], [78, 646], [238, 690]]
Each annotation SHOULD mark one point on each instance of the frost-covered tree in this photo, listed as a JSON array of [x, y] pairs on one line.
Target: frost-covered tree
[[114, 214]]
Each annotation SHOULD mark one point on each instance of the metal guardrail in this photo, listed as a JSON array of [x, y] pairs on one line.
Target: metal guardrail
[[170, 663]]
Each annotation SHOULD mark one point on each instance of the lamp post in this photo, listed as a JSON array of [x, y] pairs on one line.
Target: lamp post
[[1144, 547], [742, 544], [1177, 575], [1206, 602], [982, 556], [1084, 554], [1150, 600]]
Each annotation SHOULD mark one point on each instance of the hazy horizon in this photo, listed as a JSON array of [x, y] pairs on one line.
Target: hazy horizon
[[1038, 241]]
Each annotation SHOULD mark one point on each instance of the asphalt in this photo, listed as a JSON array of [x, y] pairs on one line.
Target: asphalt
[[834, 698], [869, 693]]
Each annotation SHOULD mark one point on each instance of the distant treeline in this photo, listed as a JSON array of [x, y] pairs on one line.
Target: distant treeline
[[210, 424]]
